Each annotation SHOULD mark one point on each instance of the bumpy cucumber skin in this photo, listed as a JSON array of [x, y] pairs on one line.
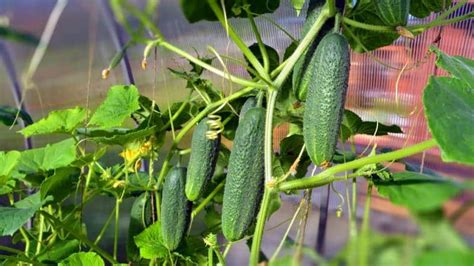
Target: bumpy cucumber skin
[[326, 98], [393, 12], [245, 176], [302, 71], [202, 161], [175, 208]]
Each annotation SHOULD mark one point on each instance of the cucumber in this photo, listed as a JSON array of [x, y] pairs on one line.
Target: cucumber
[[302, 70], [175, 208], [251, 102], [393, 12], [202, 161], [326, 97], [245, 176]]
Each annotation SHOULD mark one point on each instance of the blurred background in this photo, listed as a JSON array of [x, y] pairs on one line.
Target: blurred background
[[381, 88]]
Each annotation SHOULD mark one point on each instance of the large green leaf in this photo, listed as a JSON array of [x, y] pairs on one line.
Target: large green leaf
[[8, 116], [62, 121], [83, 258], [120, 103], [150, 242], [52, 156], [449, 109], [416, 191], [8, 162], [12, 218], [60, 184], [196, 10]]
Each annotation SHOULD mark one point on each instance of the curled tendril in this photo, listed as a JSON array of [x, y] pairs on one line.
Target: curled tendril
[[215, 126], [339, 209]]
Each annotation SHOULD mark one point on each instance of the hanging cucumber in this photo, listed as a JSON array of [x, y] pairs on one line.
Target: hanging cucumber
[[244, 182], [393, 12], [175, 208], [202, 162], [302, 70], [326, 97]]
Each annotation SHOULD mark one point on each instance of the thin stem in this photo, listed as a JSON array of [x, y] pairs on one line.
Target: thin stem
[[451, 10], [227, 248], [26, 239], [365, 26], [219, 256], [282, 242], [20, 259], [293, 39], [57, 223], [237, 40], [209, 197], [363, 255], [435, 23], [208, 67], [258, 234], [328, 176], [261, 45], [40, 234], [116, 226], [11, 250], [104, 227]]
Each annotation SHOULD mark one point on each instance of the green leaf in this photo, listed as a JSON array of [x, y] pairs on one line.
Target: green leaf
[[8, 116], [8, 162], [358, 38], [204, 87], [445, 257], [59, 250], [449, 109], [52, 156], [60, 184], [212, 219], [117, 136], [83, 258], [9, 33], [150, 242], [12, 218], [416, 191], [120, 103], [418, 9], [196, 10], [62, 121], [290, 148], [458, 66], [352, 125]]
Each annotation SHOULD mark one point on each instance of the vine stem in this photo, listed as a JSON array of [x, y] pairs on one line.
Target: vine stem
[[237, 40], [207, 199], [364, 237], [326, 13], [208, 67], [328, 176]]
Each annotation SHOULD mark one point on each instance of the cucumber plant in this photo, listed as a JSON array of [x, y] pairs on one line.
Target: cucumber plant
[[231, 188]]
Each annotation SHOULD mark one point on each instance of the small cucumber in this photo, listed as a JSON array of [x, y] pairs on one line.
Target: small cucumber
[[175, 208], [393, 12], [202, 161], [326, 98], [251, 102], [245, 176]]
